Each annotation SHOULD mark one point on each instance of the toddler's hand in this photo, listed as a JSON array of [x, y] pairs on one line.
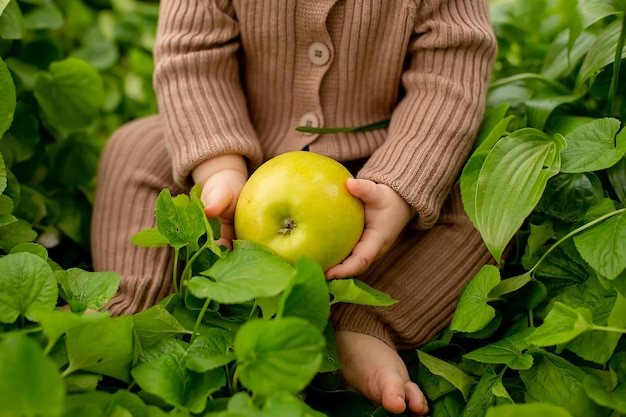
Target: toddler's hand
[[386, 214], [222, 179]]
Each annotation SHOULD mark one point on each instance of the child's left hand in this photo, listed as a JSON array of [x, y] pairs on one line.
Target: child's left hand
[[386, 215]]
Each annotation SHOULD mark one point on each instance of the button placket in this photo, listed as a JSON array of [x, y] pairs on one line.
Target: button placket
[[319, 53]]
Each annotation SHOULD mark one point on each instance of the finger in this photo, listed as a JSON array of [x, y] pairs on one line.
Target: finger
[[362, 256], [217, 201], [364, 190], [227, 235]]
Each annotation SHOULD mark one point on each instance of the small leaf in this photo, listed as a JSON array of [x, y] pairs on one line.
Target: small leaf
[[245, 273], [8, 102], [307, 297], [179, 220], [561, 325], [149, 238], [70, 94], [472, 312], [104, 347], [617, 178], [278, 355], [615, 399], [603, 246], [508, 351], [482, 395], [154, 324], [93, 289], [12, 22], [27, 284], [212, 349], [167, 378], [355, 291], [31, 385], [593, 146], [449, 372], [45, 16]]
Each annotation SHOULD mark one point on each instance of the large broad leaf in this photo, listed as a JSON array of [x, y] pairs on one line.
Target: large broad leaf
[[12, 22], [355, 291], [599, 54], [527, 410], [593, 146], [8, 102], [556, 381], [27, 285], [483, 394], [70, 94], [155, 324], [569, 196], [31, 385], [448, 372], [561, 325], [617, 177], [211, 350], [247, 272], [91, 289], [511, 182], [509, 351], [179, 219], [283, 354]]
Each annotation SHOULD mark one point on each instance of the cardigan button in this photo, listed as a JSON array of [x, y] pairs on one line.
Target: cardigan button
[[309, 120], [319, 54]]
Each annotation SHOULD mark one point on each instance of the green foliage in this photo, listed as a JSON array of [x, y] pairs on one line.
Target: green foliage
[[540, 332]]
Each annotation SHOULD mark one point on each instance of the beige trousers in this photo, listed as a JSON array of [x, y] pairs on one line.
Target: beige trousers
[[425, 270]]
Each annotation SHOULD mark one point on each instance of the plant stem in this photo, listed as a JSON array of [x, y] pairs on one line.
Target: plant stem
[[193, 258], [529, 76], [199, 320], [175, 271], [575, 232], [611, 105], [609, 329]]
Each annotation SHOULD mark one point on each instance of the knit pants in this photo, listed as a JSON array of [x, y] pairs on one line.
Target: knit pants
[[424, 270]]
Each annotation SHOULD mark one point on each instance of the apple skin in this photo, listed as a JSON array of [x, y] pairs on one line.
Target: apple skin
[[297, 204]]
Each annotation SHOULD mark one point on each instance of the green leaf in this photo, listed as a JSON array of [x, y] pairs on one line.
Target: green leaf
[[212, 349], [556, 381], [179, 220], [508, 351], [149, 238], [93, 289], [12, 22], [561, 325], [3, 184], [617, 178], [540, 108], [599, 55], [569, 196], [449, 372], [45, 16], [155, 324], [527, 410], [27, 284], [468, 182], [56, 323], [75, 161], [104, 347], [603, 246], [614, 399], [31, 385], [166, 377], [307, 296], [355, 291], [70, 94], [16, 233], [593, 146], [511, 182], [245, 273], [8, 102], [472, 312], [283, 354], [482, 395]]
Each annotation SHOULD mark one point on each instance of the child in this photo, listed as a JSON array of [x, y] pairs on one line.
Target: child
[[233, 80]]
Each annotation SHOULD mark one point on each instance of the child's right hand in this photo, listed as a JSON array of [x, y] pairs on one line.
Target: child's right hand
[[222, 179]]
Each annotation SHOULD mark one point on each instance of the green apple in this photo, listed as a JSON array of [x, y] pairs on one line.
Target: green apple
[[297, 204]]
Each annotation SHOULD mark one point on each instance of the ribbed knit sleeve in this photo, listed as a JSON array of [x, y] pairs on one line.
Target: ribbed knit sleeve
[[198, 86], [433, 127]]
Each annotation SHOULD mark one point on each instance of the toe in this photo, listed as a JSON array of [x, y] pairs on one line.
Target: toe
[[415, 399], [393, 393]]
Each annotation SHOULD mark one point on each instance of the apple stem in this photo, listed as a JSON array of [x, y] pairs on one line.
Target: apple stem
[[288, 225]]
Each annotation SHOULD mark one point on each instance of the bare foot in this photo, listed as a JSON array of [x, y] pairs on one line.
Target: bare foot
[[374, 369]]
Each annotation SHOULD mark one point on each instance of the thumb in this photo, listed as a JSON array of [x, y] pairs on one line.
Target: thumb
[[216, 201], [364, 190]]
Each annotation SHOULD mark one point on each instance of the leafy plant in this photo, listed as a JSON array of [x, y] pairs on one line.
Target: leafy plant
[[541, 332], [244, 334]]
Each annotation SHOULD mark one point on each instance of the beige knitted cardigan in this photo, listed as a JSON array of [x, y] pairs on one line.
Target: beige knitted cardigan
[[239, 76]]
